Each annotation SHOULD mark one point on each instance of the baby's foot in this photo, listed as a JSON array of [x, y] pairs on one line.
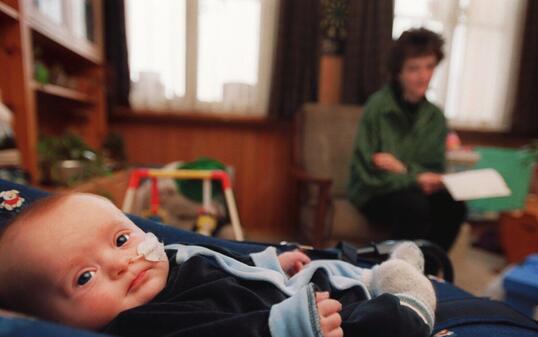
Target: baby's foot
[[410, 253], [401, 277]]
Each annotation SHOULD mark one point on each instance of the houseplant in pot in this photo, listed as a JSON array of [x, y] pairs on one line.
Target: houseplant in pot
[[67, 159]]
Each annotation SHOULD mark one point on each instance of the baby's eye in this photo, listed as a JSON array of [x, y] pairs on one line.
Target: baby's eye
[[85, 277], [122, 239]]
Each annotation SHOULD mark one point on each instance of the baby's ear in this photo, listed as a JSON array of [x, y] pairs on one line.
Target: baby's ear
[[410, 253]]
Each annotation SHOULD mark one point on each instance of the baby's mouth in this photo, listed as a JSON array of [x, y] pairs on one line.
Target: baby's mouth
[[138, 280]]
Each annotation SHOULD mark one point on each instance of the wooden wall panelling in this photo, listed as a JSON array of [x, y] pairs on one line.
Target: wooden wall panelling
[[261, 158]]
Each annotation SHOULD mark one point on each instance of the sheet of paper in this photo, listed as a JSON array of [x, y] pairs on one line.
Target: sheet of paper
[[476, 184]]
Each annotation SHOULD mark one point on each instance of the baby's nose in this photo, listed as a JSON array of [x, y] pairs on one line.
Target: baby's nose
[[120, 264]]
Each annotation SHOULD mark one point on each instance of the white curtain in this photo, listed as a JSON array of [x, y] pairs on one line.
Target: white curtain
[[475, 83], [201, 55]]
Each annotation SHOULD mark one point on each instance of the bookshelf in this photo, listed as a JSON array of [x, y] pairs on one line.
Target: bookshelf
[[62, 92], [52, 76]]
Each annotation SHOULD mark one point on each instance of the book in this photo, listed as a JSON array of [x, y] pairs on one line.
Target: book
[[476, 184]]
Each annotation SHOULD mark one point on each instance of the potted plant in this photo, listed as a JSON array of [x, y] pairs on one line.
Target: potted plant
[[67, 159]]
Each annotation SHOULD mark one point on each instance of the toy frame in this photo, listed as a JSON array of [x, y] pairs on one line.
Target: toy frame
[[205, 175]]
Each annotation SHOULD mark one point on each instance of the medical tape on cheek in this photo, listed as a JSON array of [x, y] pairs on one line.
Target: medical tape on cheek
[[151, 249]]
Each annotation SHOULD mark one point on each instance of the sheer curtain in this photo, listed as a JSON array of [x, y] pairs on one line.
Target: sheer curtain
[[475, 83], [201, 55]]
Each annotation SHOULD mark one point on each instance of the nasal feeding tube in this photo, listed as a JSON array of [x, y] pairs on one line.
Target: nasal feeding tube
[[151, 249]]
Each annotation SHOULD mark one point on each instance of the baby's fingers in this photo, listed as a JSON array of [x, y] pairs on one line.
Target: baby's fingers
[[328, 307], [321, 295], [331, 322], [331, 325], [298, 267], [334, 333]]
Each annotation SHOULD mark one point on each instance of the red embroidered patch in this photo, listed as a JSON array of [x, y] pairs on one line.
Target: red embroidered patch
[[10, 200]]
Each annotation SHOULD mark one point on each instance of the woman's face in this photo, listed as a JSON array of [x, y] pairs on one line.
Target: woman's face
[[416, 75]]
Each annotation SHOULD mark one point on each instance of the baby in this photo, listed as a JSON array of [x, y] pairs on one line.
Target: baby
[[78, 260]]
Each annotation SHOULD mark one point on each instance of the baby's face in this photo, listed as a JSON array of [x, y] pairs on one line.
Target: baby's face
[[84, 256]]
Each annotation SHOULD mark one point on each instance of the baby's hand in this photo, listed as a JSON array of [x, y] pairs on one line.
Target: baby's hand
[[292, 262], [329, 318]]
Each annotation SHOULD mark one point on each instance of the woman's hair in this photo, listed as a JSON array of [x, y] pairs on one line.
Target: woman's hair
[[414, 43]]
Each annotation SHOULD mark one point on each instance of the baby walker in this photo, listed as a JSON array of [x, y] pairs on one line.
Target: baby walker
[[205, 222]]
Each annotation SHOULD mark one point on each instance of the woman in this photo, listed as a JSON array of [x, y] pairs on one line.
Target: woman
[[399, 152]]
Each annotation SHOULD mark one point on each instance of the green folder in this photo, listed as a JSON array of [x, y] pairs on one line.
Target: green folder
[[516, 167]]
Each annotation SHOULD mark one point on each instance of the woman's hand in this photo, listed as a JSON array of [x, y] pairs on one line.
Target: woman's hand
[[329, 318], [429, 182], [292, 262], [387, 162]]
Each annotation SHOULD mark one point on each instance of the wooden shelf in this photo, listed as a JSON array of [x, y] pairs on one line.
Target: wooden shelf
[[27, 36], [61, 92], [46, 29], [8, 11]]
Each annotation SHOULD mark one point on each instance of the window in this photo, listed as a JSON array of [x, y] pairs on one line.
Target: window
[[476, 81], [201, 55], [75, 16]]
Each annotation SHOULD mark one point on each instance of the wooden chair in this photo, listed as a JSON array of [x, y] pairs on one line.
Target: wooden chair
[[323, 144]]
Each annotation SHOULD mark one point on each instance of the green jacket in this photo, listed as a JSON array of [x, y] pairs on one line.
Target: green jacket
[[415, 138]]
